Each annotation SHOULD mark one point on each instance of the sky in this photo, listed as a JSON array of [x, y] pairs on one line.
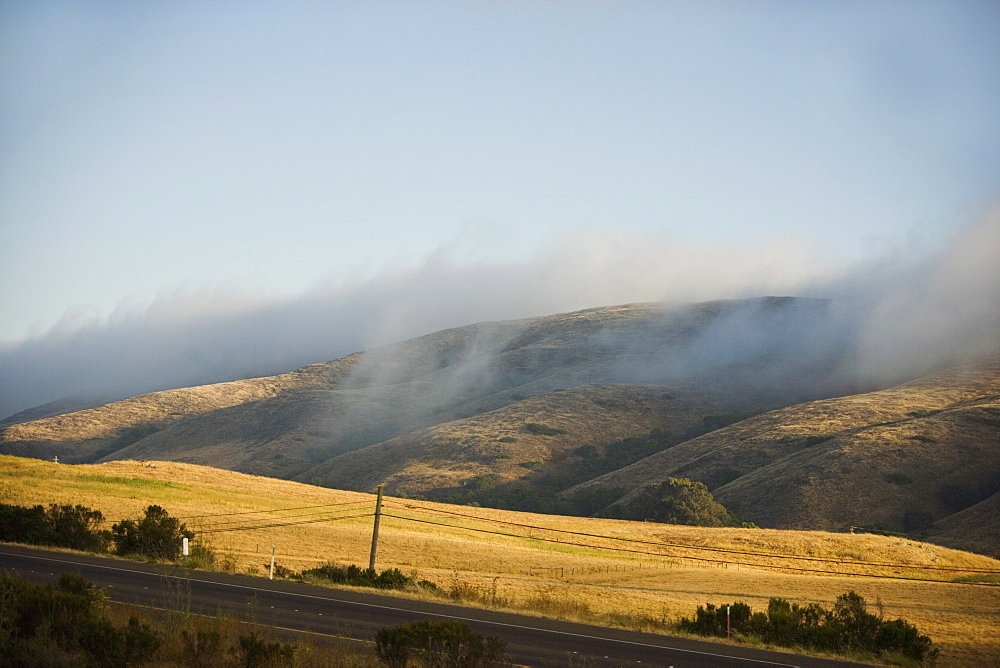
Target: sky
[[195, 191]]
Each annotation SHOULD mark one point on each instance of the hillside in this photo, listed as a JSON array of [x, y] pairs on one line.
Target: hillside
[[286, 424], [511, 441], [898, 460], [569, 413], [599, 570]]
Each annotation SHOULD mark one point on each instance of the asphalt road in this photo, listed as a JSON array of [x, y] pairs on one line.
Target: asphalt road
[[358, 615]]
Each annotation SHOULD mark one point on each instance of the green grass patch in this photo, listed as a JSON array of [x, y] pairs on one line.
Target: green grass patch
[[543, 430], [142, 483]]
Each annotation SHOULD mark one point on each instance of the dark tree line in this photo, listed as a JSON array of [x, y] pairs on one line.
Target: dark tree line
[[156, 535]]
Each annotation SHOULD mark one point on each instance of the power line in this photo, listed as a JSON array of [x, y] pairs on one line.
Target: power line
[[272, 510], [287, 524], [676, 556], [708, 549], [213, 525]]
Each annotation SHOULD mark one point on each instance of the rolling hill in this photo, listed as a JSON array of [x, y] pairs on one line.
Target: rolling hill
[[613, 572], [575, 412]]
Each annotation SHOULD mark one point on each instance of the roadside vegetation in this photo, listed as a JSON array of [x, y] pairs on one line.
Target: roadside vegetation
[[71, 623], [488, 558], [155, 536], [848, 629]]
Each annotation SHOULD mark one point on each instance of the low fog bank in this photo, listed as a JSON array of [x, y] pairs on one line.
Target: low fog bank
[[883, 320]]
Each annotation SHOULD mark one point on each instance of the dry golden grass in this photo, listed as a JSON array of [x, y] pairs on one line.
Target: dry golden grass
[[451, 453], [598, 582]]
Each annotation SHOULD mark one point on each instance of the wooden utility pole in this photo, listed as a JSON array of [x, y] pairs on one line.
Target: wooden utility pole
[[378, 516]]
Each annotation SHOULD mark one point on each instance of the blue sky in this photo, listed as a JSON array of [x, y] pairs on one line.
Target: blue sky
[[164, 162]]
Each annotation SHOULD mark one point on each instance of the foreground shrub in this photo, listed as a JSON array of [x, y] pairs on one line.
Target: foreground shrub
[[253, 650], [438, 643], [848, 627], [65, 624]]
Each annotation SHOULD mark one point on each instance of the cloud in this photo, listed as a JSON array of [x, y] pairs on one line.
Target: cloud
[[902, 310]]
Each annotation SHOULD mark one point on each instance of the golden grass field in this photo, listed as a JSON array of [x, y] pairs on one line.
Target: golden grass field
[[599, 578]]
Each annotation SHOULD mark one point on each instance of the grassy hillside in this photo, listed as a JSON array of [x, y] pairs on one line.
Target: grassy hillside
[[611, 571], [284, 425], [898, 459], [89, 434], [512, 414], [510, 442]]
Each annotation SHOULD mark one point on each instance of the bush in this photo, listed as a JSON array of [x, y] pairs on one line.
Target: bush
[[76, 527], [65, 625], [392, 578], [253, 651], [679, 501], [438, 643], [157, 535], [112, 647], [848, 627]]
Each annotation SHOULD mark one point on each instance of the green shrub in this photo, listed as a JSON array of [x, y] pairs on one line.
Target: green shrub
[[65, 625], [76, 527], [678, 501], [848, 627], [438, 643], [118, 648], [507, 439], [156, 535], [355, 576], [253, 651]]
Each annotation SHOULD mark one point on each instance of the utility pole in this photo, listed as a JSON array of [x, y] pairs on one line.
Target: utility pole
[[378, 516]]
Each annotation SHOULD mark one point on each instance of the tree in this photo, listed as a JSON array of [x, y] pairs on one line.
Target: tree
[[157, 535], [679, 501]]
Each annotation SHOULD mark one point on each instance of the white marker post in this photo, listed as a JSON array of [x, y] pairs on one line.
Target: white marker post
[[272, 563], [184, 546]]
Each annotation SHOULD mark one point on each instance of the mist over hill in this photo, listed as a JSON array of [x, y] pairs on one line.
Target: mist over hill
[[900, 312], [761, 399], [572, 412]]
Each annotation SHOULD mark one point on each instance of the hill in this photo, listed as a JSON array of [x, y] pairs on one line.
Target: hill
[[900, 459], [572, 412], [286, 424], [632, 574]]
